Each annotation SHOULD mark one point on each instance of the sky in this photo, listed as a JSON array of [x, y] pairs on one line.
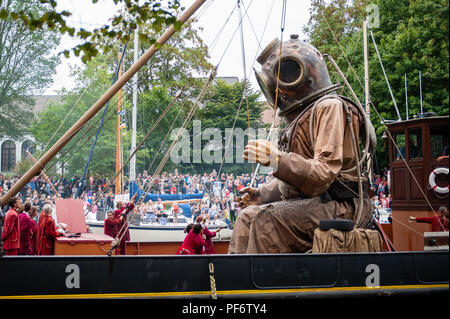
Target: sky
[[261, 24]]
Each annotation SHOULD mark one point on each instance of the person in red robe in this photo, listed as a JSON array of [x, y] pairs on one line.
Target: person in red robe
[[39, 223], [112, 226], [438, 223], [181, 250], [11, 227], [34, 228], [193, 243], [26, 231], [47, 233], [208, 236], [124, 233]]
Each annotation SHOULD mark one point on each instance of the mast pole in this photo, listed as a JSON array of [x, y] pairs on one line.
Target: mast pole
[[420, 89], [242, 40], [40, 163], [406, 99], [119, 98], [134, 112], [366, 68]]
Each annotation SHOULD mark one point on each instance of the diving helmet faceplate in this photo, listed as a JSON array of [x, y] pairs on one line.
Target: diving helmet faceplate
[[303, 74]]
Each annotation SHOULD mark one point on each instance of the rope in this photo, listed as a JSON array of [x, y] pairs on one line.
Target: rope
[[142, 142], [212, 281], [385, 76], [125, 225], [244, 93], [379, 116], [80, 188]]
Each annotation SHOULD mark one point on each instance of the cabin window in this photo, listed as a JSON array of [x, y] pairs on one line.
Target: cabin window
[[439, 141], [415, 143], [399, 138]]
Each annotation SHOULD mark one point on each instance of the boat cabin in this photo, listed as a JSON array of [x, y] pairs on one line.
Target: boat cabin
[[416, 162]]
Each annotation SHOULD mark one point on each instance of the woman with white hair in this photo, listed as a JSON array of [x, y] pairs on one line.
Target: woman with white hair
[[46, 233]]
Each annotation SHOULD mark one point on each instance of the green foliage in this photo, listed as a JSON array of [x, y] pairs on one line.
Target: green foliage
[[26, 66], [412, 36], [135, 13], [171, 68], [226, 107]]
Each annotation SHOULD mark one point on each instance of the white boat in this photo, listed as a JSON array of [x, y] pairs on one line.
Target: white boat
[[165, 231]]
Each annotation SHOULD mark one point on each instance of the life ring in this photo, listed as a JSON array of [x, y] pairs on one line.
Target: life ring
[[432, 180]]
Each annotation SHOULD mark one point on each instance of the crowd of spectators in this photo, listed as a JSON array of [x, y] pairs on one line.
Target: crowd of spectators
[[381, 198], [219, 191]]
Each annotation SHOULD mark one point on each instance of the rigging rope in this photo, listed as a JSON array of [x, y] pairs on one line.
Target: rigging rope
[[244, 92], [381, 119], [282, 26], [80, 187], [167, 154]]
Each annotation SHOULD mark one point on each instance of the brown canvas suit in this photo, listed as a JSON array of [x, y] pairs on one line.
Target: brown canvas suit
[[292, 205]]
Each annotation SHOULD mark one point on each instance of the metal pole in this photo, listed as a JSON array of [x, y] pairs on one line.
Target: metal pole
[[242, 40], [420, 84], [385, 76], [134, 113], [37, 167], [406, 98], [118, 145], [366, 68]]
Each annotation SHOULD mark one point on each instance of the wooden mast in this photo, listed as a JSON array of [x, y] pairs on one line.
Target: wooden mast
[[40, 164]]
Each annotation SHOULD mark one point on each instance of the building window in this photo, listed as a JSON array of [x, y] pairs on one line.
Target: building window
[[8, 156], [26, 145]]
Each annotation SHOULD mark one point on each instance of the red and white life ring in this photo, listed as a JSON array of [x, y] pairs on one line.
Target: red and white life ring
[[432, 180]]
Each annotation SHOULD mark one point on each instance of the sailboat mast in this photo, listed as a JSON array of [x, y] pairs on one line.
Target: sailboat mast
[[93, 110], [118, 144], [242, 40], [366, 68], [406, 99], [134, 112]]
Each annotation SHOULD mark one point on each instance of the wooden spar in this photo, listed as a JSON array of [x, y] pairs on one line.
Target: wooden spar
[[37, 167], [43, 174]]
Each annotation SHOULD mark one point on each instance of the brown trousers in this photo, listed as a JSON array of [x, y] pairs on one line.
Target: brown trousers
[[288, 226]]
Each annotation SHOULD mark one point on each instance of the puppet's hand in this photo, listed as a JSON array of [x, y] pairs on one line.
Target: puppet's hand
[[262, 152]]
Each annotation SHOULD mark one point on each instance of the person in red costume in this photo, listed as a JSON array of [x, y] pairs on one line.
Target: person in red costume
[[47, 233], [208, 236], [438, 223], [39, 223], [124, 233], [112, 226], [34, 228], [193, 243], [11, 227], [26, 230]]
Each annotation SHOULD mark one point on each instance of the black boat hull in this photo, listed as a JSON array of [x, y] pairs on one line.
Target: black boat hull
[[233, 276]]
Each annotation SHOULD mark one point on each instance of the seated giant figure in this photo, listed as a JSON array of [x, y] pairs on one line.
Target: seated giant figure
[[314, 164]]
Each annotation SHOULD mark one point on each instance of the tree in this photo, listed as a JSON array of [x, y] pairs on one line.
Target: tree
[[157, 84], [92, 80], [26, 66], [226, 116], [133, 14], [412, 36]]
